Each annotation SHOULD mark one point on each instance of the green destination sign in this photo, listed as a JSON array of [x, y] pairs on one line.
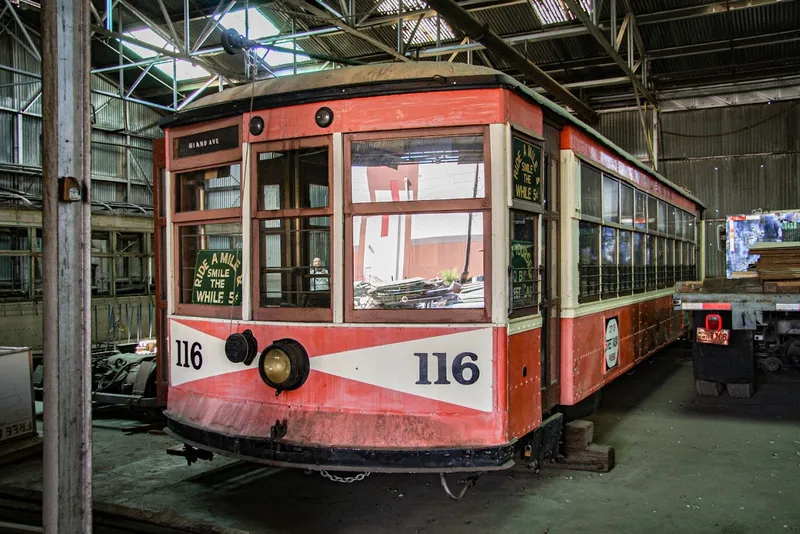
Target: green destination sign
[[218, 278], [527, 171]]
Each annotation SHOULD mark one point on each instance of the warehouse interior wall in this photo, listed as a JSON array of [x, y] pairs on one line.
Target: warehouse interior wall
[[725, 156], [122, 132]]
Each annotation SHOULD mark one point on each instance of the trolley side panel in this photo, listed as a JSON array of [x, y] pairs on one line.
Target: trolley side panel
[[598, 347], [524, 382]]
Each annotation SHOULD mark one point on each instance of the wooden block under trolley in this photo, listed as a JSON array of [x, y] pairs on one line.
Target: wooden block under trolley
[[598, 458], [578, 434]]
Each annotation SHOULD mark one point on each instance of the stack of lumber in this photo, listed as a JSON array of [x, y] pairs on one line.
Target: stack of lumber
[[777, 261]]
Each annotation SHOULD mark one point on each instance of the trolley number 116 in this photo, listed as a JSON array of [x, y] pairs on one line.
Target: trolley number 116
[[186, 356], [457, 369]]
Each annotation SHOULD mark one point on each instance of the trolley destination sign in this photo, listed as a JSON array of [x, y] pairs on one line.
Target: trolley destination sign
[[218, 278], [207, 142], [526, 173]]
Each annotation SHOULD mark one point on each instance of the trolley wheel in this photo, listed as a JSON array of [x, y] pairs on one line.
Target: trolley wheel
[[744, 391], [707, 388]]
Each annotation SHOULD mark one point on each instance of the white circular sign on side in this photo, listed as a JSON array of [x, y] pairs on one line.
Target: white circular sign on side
[[612, 343]]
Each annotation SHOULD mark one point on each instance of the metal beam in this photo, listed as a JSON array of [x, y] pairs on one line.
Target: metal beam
[[703, 10], [458, 17], [722, 46], [319, 13], [578, 11], [24, 30], [188, 100], [169, 23], [533, 37], [212, 23], [66, 222]]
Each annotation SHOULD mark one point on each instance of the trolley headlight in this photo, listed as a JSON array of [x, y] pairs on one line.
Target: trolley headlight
[[241, 347], [284, 365]]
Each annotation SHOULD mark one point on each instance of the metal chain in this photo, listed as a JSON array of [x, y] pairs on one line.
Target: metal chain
[[345, 480]]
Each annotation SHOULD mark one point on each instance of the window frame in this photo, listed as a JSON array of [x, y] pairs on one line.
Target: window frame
[[414, 207], [535, 308], [287, 314]]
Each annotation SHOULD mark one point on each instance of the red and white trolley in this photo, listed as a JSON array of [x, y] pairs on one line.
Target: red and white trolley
[[404, 268]]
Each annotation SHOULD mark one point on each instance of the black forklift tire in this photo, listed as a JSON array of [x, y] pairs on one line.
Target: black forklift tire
[[707, 388], [744, 391]]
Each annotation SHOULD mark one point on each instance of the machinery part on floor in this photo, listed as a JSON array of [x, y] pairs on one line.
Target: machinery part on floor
[[468, 483], [707, 388], [191, 454], [771, 364], [124, 378], [744, 391], [345, 480]]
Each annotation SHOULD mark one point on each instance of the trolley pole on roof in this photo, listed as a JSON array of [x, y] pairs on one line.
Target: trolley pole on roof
[[67, 506]]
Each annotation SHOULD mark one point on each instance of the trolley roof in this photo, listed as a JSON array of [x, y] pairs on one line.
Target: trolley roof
[[381, 79]]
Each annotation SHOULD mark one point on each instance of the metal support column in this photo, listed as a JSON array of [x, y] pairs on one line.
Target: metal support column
[[67, 506], [654, 137]]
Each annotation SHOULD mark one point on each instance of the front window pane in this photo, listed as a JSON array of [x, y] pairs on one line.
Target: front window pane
[[295, 263], [524, 279], [426, 168], [293, 179], [420, 261], [590, 191], [210, 264], [209, 189], [626, 205], [610, 200], [641, 211]]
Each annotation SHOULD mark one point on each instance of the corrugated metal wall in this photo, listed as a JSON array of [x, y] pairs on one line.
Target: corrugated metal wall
[[736, 159], [121, 162]]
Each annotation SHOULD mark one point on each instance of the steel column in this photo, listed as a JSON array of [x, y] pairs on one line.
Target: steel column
[[67, 506]]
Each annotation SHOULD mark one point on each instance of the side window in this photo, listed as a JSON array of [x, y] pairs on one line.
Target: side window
[[524, 270], [590, 191], [589, 260]]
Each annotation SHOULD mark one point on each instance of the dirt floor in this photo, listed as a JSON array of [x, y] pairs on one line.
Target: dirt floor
[[684, 464]]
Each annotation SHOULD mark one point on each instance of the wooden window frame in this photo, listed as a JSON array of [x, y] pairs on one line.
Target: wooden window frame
[[415, 207], [179, 217], [286, 314], [200, 310]]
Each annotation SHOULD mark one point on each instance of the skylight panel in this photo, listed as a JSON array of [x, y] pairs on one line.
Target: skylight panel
[[184, 69], [426, 33], [259, 27], [555, 11]]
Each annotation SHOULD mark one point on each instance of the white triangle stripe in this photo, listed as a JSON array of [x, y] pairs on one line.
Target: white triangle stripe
[[397, 367]]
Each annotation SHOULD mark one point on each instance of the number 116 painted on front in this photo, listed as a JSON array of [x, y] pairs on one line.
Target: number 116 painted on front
[[457, 369]]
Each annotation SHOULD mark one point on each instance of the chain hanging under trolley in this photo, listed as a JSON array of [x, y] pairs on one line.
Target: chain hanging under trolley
[[345, 480]]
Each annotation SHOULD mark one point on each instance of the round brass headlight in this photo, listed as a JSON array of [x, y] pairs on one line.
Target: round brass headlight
[[277, 366], [284, 365]]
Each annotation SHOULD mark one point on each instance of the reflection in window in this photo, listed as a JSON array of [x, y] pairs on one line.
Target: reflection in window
[[662, 217], [589, 259], [427, 168], [294, 263], [626, 205], [419, 261], [639, 261], [590, 191], [641, 210], [15, 270], [293, 179], [524, 271], [226, 237], [608, 249], [624, 260], [610, 200], [101, 262], [671, 220], [652, 211], [209, 189]]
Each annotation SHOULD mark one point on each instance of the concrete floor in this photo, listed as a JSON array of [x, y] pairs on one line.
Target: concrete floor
[[684, 464]]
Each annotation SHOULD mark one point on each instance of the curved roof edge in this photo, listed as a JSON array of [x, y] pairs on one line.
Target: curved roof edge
[[382, 79]]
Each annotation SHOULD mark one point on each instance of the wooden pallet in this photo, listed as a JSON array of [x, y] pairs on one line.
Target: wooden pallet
[[785, 286]]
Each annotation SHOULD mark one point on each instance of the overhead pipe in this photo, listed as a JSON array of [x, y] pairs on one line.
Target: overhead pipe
[[458, 17]]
